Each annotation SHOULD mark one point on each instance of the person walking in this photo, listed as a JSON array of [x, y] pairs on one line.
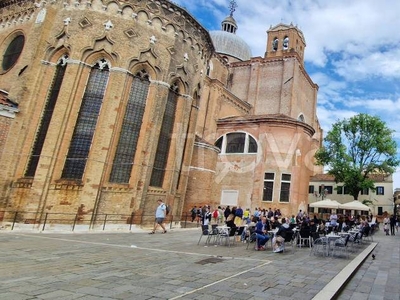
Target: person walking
[[193, 213], [392, 224], [386, 223], [161, 212]]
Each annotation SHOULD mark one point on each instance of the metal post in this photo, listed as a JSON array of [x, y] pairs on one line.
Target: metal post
[[130, 225], [105, 220], [75, 220], [45, 220], [15, 220]]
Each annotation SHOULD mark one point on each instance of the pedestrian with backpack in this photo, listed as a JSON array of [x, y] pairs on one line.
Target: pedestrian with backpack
[[161, 213]]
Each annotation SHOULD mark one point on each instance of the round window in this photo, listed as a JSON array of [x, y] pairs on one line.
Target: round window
[[13, 52]]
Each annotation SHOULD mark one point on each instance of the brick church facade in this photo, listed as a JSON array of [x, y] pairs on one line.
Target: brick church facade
[[106, 106]]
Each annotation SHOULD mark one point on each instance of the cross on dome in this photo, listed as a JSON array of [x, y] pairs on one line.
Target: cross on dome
[[232, 7]]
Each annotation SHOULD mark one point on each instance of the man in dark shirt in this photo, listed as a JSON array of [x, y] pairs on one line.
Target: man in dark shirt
[[262, 233], [392, 224]]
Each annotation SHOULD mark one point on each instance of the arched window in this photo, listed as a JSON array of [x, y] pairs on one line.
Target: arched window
[[164, 141], [237, 142], [46, 117], [275, 44], [285, 43], [301, 118], [87, 120], [13, 52], [128, 138], [209, 69]]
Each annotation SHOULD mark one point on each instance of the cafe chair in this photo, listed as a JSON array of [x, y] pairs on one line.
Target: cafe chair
[[238, 233], [252, 239], [304, 238], [341, 245], [355, 239], [290, 239], [210, 234], [320, 245], [226, 234], [367, 234]]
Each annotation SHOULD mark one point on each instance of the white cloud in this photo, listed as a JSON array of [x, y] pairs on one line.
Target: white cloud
[[327, 117]]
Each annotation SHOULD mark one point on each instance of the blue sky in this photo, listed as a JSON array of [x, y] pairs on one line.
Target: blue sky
[[352, 52]]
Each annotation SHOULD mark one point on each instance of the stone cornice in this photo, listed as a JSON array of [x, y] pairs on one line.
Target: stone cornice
[[206, 146], [275, 120], [167, 11]]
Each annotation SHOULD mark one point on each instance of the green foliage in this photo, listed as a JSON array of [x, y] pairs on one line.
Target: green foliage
[[357, 147], [367, 202]]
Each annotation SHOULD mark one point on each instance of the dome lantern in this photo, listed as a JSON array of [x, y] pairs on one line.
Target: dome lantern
[[226, 42]]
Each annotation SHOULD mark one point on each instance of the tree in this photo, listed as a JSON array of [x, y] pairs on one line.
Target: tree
[[357, 147], [367, 202]]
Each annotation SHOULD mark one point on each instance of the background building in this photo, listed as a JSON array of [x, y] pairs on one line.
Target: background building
[[118, 103], [380, 200]]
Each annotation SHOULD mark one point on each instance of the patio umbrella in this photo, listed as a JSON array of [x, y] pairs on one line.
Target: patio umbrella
[[356, 205], [327, 203]]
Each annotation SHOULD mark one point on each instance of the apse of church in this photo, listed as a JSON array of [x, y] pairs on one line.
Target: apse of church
[[109, 106]]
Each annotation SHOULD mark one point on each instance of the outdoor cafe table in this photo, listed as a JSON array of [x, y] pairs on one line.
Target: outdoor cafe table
[[344, 234]]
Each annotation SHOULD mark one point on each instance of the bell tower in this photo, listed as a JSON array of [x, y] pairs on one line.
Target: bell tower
[[284, 39]]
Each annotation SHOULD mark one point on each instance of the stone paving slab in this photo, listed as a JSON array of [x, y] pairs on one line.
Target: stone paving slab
[[136, 265]]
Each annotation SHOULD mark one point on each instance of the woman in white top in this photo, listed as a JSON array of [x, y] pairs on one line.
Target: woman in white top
[[386, 222]]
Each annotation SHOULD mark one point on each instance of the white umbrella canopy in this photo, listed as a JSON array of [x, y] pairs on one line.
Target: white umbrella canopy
[[327, 203], [356, 205]]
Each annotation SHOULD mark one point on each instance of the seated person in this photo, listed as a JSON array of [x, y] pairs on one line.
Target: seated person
[[322, 228], [316, 220], [365, 229], [262, 233], [250, 228], [333, 219], [230, 223], [313, 226], [293, 220], [279, 238], [305, 232], [275, 223]]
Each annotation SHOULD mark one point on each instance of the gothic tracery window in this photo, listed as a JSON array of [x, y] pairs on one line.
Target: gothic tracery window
[[128, 139], [87, 120], [164, 140], [46, 117]]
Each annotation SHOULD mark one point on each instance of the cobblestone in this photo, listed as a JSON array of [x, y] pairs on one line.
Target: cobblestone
[[135, 265]]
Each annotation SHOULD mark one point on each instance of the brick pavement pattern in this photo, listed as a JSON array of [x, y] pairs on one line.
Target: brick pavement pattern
[[136, 265]]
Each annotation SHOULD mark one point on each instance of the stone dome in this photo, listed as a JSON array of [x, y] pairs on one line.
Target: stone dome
[[226, 42], [230, 44]]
